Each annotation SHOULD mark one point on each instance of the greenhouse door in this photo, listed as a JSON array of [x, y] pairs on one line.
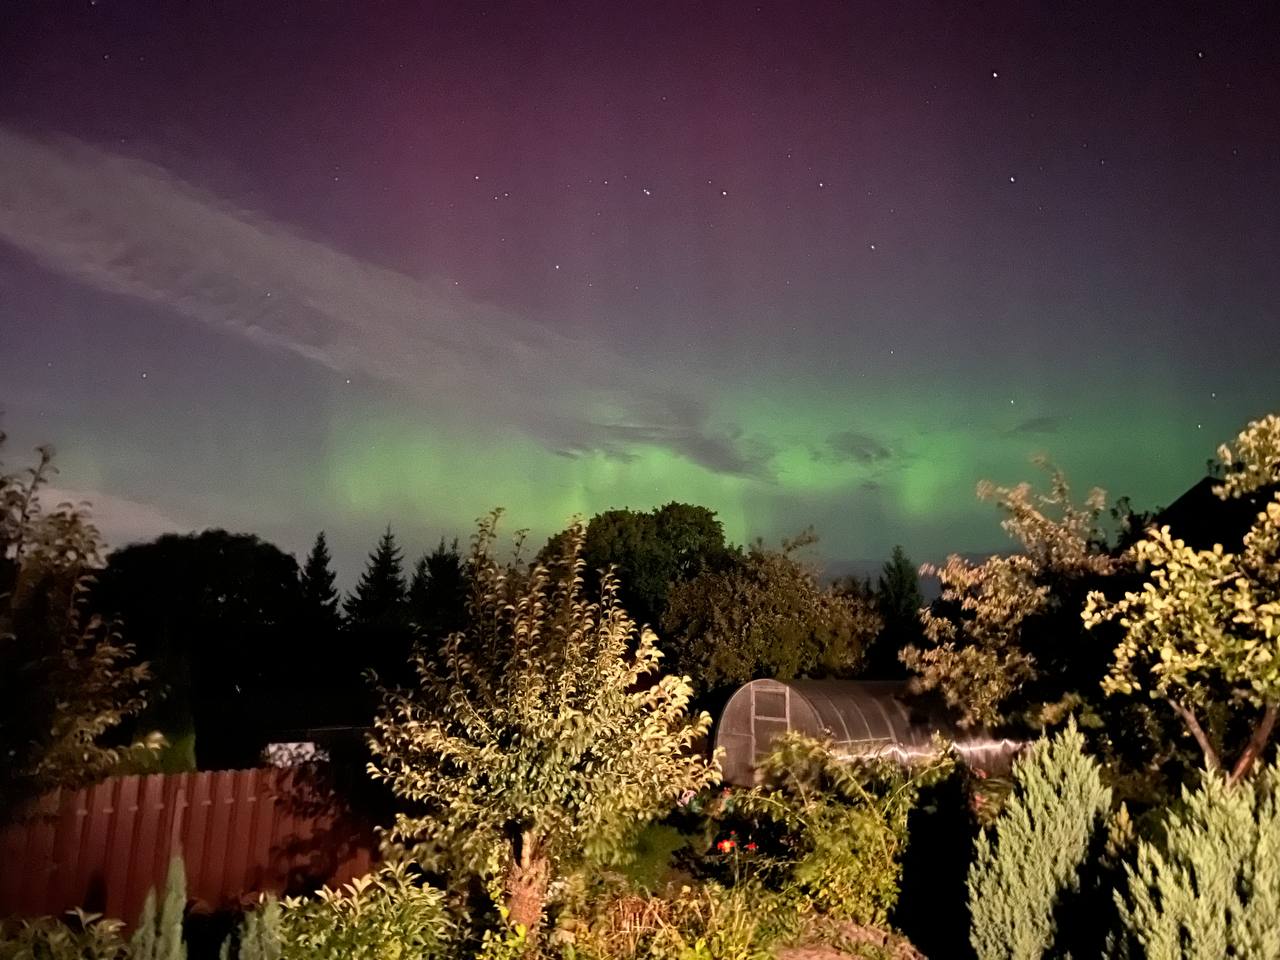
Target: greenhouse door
[[770, 717]]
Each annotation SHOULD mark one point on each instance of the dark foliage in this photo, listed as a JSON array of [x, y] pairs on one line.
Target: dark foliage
[[218, 616]]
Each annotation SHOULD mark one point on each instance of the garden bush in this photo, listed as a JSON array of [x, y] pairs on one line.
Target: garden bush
[[820, 838], [1042, 839], [382, 916], [1211, 888], [84, 936]]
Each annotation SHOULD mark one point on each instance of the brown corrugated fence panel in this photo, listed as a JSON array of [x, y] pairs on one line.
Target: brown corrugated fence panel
[[240, 833]]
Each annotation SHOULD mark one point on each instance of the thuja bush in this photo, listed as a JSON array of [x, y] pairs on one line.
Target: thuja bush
[[1028, 867], [158, 935], [1211, 888]]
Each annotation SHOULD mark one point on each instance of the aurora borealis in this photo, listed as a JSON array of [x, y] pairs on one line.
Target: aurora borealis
[[280, 267]]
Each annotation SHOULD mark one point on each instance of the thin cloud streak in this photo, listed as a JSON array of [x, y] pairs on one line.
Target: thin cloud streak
[[130, 228], [120, 520]]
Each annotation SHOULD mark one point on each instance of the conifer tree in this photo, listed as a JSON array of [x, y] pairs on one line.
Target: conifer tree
[[438, 592], [898, 601], [1212, 888], [381, 595], [1042, 839], [159, 934], [379, 634], [319, 597]]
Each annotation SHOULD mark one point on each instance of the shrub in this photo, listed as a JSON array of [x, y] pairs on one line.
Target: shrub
[[821, 835], [707, 922], [381, 916], [1042, 838], [1212, 888], [260, 935], [159, 935], [86, 937]]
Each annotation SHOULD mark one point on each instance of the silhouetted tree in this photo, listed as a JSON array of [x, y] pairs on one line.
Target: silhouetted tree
[[651, 551], [319, 597], [381, 595], [334, 690], [898, 601], [218, 615], [438, 592], [377, 611]]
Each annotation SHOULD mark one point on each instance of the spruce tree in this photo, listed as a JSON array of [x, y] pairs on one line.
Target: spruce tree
[[319, 598], [898, 601], [381, 595], [438, 592], [379, 634]]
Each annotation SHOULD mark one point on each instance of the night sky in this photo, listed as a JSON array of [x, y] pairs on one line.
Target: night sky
[[281, 266]]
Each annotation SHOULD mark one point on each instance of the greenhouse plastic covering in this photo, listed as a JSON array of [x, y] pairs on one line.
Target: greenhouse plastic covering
[[857, 718]]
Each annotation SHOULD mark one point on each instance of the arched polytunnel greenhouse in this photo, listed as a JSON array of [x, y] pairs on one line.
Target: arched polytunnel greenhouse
[[858, 718]]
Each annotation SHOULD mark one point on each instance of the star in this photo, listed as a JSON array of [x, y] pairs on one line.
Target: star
[[144, 374], [557, 266], [821, 184], [724, 193], [995, 74], [873, 246], [1013, 179]]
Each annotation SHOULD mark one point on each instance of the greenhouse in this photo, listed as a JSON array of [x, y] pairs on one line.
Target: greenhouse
[[858, 718]]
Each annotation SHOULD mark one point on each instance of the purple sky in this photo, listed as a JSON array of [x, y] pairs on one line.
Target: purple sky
[[804, 263]]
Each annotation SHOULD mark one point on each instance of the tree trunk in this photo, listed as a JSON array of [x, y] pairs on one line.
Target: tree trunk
[[1257, 743], [1211, 761], [527, 880]]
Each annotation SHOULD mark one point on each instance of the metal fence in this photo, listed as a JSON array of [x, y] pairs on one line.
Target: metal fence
[[240, 832]]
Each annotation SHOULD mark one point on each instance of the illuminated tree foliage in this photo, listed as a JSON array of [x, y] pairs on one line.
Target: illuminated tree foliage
[[765, 616], [547, 740], [65, 679], [1005, 638], [1206, 624]]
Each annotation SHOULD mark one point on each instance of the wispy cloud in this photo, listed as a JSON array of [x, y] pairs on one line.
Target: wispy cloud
[[849, 445], [131, 228], [1038, 425], [119, 519]]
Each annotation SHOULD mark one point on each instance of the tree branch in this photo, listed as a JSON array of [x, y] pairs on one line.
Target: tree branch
[[1257, 743], [1211, 760]]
